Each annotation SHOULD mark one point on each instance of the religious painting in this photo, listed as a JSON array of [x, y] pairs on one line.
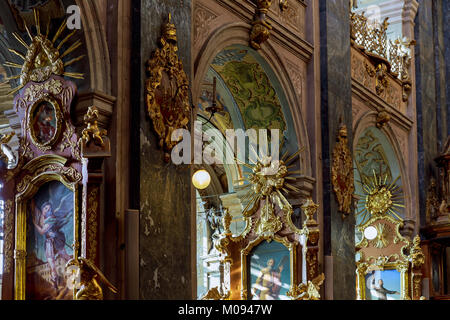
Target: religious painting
[[383, 285], [44, 122], [49, 240], [270, 272]]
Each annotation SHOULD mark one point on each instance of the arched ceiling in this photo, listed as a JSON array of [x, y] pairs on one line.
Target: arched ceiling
[[245, 91]]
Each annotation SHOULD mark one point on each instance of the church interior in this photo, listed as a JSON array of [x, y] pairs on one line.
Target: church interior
[[224, 150]]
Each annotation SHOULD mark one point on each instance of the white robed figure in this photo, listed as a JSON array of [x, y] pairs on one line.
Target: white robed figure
[[377, 288]]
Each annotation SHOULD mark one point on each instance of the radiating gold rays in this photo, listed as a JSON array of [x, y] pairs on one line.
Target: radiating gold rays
[[269, 176], [43, 40], [379, 198]]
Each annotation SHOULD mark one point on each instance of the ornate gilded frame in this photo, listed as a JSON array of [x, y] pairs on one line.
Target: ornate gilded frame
[[43, 169], [403, 262], [59, 122], [382, 264], [291, 246]]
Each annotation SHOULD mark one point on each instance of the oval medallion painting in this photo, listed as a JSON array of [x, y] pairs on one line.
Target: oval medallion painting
[[44, 122]]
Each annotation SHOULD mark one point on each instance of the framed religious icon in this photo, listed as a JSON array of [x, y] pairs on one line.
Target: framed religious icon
[[383, 285], [47, 233], [49, 242], [44, 122], [269, 271]]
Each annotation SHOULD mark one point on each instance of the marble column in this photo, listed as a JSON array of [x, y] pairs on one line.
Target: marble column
[[432, 89], [336, 104], [160, 191]]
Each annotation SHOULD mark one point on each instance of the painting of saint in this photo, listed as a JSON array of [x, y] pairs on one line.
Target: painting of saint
[[49, 241], [44, 122], [383, 285], [270, 272]]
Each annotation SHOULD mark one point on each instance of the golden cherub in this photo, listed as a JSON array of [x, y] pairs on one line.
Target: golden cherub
[[92, 130], [88, 287]]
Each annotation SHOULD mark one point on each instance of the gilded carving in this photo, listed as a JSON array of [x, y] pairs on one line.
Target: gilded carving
[[309, 291], [68, 142], [92, 223], [383, 117], [92, 131], [416, 254], [8, 236], [342, 173], [71, 174], [36, 90], [42, 58], [260, 26], [383, 234], [89, 275], [216, 294], [167, 90], [267, 180]]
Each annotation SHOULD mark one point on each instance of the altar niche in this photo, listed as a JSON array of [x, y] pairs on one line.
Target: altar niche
[[52, 195]]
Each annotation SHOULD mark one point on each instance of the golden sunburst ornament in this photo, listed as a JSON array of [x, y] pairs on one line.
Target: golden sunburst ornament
[[269, 180], [43, 58], [379, 198]]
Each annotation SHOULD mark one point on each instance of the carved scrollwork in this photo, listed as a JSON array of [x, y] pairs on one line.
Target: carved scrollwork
[[8, 236], [342, 173], [167, 90], [71, 174], [92, 223]]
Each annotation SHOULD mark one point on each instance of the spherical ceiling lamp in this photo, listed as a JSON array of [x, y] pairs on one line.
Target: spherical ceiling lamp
[[201, 179], [370, 233]]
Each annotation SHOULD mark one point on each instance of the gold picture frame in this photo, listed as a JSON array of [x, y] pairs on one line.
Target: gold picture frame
[[43, 169], [31, 120], [290, 246], [383, 264], [388, 250]]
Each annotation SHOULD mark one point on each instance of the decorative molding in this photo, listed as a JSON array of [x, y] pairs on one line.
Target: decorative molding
[[92, 231], [342, 173], [8, 246]]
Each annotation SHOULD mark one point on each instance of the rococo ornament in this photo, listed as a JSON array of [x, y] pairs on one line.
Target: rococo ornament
[[43, 57], [342, 173], [167, 90], [267, 182]]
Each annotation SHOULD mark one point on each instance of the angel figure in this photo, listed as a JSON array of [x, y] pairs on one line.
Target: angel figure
[[310, 291], [48, 222], [88, 287]]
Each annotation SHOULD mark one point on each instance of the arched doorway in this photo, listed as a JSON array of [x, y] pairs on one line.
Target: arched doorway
[[246, 94]]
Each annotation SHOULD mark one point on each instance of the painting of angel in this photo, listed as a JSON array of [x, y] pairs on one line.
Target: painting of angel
[[44, 122], [49, 241], [270, 272]]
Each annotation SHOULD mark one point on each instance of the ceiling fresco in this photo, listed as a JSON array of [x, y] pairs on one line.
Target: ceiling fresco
[[251, 89]]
